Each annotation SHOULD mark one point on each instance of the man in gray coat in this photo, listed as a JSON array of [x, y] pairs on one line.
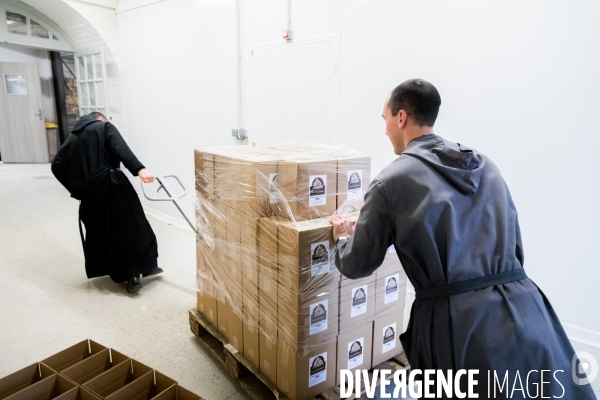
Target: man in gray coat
[[449, 214]]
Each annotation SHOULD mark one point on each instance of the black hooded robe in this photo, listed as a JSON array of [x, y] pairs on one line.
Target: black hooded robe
[[119, 241], [449, 214]]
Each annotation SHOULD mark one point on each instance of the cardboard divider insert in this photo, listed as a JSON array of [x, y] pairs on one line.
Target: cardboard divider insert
[[144, 388], [78, 394], [117, 377], [93, 366], [23, 378], [46, 389], [72, 355], [177, 393]]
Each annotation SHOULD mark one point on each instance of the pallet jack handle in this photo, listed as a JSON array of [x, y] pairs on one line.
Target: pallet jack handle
[[163, 184]]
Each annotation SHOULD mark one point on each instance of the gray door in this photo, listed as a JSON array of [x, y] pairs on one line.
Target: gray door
[[22, 127]]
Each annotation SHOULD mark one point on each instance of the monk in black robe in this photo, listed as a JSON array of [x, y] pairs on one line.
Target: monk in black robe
[[449, 214], [118, 239]]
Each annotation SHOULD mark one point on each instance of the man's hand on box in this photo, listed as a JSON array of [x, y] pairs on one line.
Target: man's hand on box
[[342, 226]]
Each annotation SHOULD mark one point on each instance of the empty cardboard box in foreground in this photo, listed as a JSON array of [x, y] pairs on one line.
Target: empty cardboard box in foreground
[[91, 371]]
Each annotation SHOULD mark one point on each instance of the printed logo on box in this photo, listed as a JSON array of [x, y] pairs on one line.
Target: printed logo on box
[[317, 369], [317, 190], [355, 184], [319, 262], [359, 301], [389, 338], [273, 190], [391, 288], [355, 353], [318, 317]]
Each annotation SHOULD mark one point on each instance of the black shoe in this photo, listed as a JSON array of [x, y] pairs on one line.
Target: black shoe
[[152, 272], [134, 284]]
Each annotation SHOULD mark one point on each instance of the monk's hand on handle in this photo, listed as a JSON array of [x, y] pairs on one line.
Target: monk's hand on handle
[[342, 226], [146, 176]]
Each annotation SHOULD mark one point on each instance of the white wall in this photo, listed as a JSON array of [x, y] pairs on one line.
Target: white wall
[[104, 19], [518, 81], [14, 53]]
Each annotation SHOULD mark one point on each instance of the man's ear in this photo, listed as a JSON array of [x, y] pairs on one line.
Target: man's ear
[[401, 118]]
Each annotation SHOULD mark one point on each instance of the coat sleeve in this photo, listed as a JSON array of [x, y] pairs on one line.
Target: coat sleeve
[[120, 148], [58, 170], [365, 251]]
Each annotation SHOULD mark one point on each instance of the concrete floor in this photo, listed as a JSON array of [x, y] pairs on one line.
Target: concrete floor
[[48, 304]]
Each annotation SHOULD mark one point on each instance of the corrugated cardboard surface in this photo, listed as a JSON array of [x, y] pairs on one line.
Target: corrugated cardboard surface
[[45, 389], [115, 378], [298, 183], [144, 388], [306, 254], [386, 343], [355, 350], [177, 393], [303, 376], [78, 394], [73, 355], [301, 319], [93, 366], [390, 291], [357, 303], [23, 378], [353, 179]]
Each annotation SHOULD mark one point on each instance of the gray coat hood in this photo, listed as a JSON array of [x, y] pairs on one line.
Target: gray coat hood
[[461, 166]]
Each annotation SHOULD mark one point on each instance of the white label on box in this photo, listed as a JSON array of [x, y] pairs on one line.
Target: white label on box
[[317, 369], [358, 301], [355, 352], [317, 190], [355, 184], [319, 260], [318, 317], [389, 338], [391, 249], [391, 288], [273, 189]]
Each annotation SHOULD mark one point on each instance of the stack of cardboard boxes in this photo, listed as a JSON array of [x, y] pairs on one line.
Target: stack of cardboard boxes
[[90, 371], [266, 272]]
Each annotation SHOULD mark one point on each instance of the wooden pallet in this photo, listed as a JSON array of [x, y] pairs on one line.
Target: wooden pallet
[[255, 384]]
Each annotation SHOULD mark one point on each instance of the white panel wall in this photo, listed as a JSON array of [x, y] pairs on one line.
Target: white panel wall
[[518, 81], [14, 53], [179, 66]]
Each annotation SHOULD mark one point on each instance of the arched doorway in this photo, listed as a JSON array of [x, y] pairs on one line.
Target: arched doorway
[[92, 78]]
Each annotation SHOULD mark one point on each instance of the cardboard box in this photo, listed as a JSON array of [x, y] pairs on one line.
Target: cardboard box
[[24, 378], [78, 393], [73, 355], [177, 393], [306, 254], [357, 303], [303, 375], [355, 350], [257, 192], [145, 388], [308, 318], [386, 337], [353, 179], [268, 327], [250, 311], [93, 366], [117, 377], [390, 291], [234, 278], [309, 188], [205, 175], [206, 293], [46, 389]]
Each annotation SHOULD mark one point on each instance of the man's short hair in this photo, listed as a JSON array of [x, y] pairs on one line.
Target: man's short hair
[[97, 115], [419, 99]]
